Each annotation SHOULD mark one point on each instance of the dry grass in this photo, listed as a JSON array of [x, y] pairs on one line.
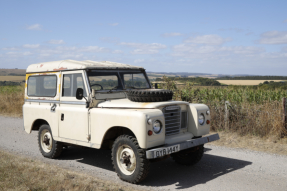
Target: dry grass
[[244, 82], [264, 120], [11, 100], [269, 145], [12, 78], [19, 173]]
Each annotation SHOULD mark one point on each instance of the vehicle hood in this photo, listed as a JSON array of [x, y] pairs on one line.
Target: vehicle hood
[[126, 103]]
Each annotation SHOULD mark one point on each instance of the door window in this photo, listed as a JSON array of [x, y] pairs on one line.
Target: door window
[[71, 82]]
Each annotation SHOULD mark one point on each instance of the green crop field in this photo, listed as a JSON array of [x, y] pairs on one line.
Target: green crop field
[[251, 110]]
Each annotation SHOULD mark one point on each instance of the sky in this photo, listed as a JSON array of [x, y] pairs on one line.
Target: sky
[[217, 37]]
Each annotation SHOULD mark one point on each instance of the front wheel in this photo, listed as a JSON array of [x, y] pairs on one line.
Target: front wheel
[[189, 156], [129, 160], [47, 145]]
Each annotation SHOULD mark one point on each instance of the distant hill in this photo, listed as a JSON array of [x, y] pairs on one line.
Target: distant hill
[[181, 73], [12, 72]]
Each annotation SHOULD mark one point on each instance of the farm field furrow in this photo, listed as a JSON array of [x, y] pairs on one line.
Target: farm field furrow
[[12, 78], [244, 82]]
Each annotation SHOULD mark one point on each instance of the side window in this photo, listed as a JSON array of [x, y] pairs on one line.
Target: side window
[[42, 86], [71, 82]]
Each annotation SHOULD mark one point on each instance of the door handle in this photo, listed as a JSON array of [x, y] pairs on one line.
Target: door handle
[[53, 108], [62, 117]]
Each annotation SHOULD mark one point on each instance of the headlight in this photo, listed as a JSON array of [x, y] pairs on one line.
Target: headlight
[[156, 126], [201, 119]]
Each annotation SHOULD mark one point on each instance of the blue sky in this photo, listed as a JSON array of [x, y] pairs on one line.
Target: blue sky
[[219, 37]]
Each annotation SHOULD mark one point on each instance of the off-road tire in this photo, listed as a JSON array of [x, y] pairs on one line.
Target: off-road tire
[[150, 95], [142, 163], [56, 148], [188, 157]]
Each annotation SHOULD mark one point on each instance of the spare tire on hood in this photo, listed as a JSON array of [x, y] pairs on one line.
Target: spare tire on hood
[[150, 95]]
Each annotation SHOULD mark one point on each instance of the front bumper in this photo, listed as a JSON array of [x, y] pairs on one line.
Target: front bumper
[[150, 154]]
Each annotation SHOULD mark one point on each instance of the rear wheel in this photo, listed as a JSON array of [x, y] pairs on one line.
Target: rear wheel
[[47, 145], [189, 156], [129, 160]]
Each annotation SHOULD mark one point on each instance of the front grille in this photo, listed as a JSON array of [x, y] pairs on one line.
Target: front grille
[[172, 115]]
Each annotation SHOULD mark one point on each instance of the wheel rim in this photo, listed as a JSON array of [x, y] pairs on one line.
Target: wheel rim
[[46, 141], [126, 159]]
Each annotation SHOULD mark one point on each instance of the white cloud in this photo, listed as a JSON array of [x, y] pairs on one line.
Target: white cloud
[[172, 34], [274, 37], [249, 33], [92, 49], [109, 39], [138, 60], [63, 49], [114, 24], [70, 55], [247, 50], [207, 39], [208, 51], [31, 45], [10, 48], [141, 48], [56, 42], [232, 29], [191, 48], [18, 54], [118, 52], [34, 27], [51, 52]]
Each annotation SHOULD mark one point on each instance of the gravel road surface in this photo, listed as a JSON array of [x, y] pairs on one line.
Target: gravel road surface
[[221, 168]]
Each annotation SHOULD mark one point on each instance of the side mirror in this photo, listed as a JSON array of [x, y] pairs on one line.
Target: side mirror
[[80, 93]]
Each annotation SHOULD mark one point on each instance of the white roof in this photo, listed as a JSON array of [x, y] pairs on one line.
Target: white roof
[[77, 65]]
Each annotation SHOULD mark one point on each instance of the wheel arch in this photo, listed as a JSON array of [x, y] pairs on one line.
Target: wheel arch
[[112, 133], [37, 124]]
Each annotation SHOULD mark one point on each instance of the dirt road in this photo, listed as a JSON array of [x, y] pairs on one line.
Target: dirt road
[[220, 169]]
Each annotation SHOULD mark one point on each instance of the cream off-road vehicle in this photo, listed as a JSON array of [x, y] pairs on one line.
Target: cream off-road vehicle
[[108, 105]]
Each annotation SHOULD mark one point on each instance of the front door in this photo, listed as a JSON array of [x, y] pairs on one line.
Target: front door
[[73, 114]]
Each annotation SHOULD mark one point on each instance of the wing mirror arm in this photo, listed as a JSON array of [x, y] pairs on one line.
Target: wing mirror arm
[[93, 93]]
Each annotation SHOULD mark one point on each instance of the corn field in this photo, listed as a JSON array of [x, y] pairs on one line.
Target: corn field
[[250, 111]]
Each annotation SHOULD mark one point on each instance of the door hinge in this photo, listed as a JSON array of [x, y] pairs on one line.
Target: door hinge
[[89, 137]]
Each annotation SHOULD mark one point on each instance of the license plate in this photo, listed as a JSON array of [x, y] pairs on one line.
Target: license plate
[[166, 151]]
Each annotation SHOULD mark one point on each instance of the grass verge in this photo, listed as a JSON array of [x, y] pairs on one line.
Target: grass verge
[[263, 144], [20, 173], [11, 100]]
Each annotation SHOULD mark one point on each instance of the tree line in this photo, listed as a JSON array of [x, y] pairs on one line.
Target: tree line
[[253, 78], [197, 81]]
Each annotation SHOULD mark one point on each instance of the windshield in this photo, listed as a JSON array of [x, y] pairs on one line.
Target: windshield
[[117, 79]]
